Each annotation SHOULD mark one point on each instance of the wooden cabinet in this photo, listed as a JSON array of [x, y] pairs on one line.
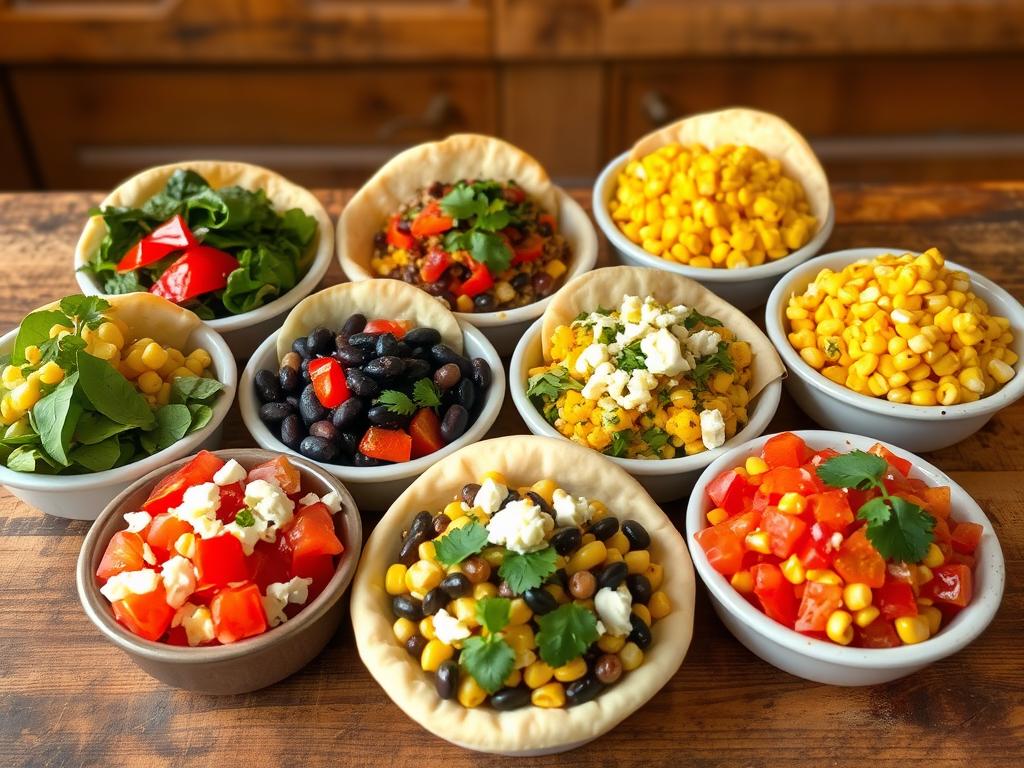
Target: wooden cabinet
[[15, 172]]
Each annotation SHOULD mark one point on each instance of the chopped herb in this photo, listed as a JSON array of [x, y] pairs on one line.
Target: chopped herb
[[620, 442], [607, 335], [482, 208], [245, 518], [631, 358], [489, 660], [664, 396], [426, 394], [655, 438], [396, 402], [718, 361], [456, 546], [492, 613], [565, 633], [551, 384], [527, 571], [695, 317]]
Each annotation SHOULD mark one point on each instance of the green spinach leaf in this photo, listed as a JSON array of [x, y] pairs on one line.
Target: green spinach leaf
[[112, 394]]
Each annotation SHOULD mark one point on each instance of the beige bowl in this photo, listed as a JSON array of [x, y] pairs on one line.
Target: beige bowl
[[248, 664]]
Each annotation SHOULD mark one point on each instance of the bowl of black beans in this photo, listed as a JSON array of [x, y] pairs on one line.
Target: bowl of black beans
[[375, 401]]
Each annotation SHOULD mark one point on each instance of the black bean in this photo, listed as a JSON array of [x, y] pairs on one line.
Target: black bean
[[639, 587], [362, 460], [540, 600], [402, 349], [605, 528], [382, 416], [567, 540], [520, 281], [583, 690], [446, 679], [414, 646], [456, 585], [310, 408], [443, 354], [350, 356], [508, 699], [422, 353], [469, 491], [434, 601], [447, 376], [465, 393], [268, 388], [292, 431], [416, 369], [541, 502], [421, 523], [318, 449], [349, 442], [641, 634], [409, 553], [612, 575], [481, 373], [636, 534], [384, 367], [360, 384], [354, 324], [365, 341], [386, 345], [484, 302], [320, 341], [348, 412], [422, 337], [290, 379], [455, 421], [324, 429], [275, 413], [300, 346]]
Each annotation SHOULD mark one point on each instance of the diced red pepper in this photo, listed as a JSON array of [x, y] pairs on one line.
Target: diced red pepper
[[278, 471], [434, 266], [319, 568], [775, 593], [397, 328], [857, 561], [431, 221], [147, 616], [163, 532], [328, 380], [879, 634], [201, 269], [170, 491], [952, 584], [386, 444], [219, 561], [396, 237], [722, 547], [123, 553], [820, 457], [784, 531], [811, 556], [966, 536], [479, 280], [529, 248], [785, 450], [728, 491], [831, 508], [902, 465], [173, 235], [312, 535], [937, 501], [895, 599], [232, 499], [819, 601], [789, 480], [238, 613], [425, 431]]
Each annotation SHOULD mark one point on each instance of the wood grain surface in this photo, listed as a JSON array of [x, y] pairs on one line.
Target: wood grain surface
[[67, 698]]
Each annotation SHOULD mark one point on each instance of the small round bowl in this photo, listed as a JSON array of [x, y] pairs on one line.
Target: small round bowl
[[244, 332], [82, 497], [374, 488], [743, 288], [504, 328], [826, 662], [249, 664], [663, 479], [914, 427]]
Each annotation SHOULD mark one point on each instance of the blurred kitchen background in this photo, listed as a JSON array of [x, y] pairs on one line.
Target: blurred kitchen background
[[326, 90]]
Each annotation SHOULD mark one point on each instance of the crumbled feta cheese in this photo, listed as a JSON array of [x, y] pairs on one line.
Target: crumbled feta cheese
[[308, 499], [570, 511], [179, 579], [490, 496], [137, 521], [280, 594], [147, 554], [662, 353], [199, 508], [448, 629], [232, 472], [614, 607], [248, 535], [601, 629], [703, 343], [198, 623], [712, 428], [641, 384], [837, 540], [521, 526], [591, 357], [120, 585], [333, 501], [270, 504]]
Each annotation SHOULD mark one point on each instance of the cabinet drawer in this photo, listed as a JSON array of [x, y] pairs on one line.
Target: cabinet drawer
[[91, 127], [14, 167]]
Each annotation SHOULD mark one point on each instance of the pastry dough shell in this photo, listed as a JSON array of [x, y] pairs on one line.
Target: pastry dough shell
[[523, 460], [150, 316]]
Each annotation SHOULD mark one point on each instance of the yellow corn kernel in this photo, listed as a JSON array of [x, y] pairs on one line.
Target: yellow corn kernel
[[426, 628], [865, 616], [857, 596], [792, 503], [33, 354], [573, 670], [587, 557], [717, 515], [426, 551], [923, 397], [932, 616], [423, 576], [823, 576], [631, 656], [839, 627], [642, 612], [655, 575], [556, 268], [403, 629], [110, 333], [757, 541], [182, 372], [149, 382], [51, 373], [934, 557], [537, 674], [394, 579], [637, 561], [618, 541], [11, 376], [8, 413], [1000, 371], [610, 643], [898, 395], [434, 653], [912, 629], [755, 465], [470, 694], [742, 582], [26, 395], [520, 637], [154, 356], [549, 696], [793, 570], [546, 489]]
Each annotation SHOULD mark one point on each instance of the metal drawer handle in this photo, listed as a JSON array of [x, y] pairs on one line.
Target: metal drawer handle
[[439, 112]]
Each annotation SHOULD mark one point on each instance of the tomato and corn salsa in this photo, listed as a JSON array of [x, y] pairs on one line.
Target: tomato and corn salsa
[[217, 554], [645, 381], [80, 394], [480, 246], [727, 207], [520, 596], [906, 328], [845, 547]]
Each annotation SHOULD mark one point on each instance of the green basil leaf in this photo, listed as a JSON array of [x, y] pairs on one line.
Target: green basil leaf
[[93, 427], [186, 389], [201, 415], [54, 418], [35, 330], [112, 394], [98, 456], [172, 424]]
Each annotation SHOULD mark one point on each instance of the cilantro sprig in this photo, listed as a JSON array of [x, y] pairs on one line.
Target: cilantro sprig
[[565, 633], [620, 442], [456, 546], [695, 318], [425, 394], [630, 358], [527, 571], [899, 529], [480, 212], [489, 658], [245, 518], [707, 365], [551, 384]]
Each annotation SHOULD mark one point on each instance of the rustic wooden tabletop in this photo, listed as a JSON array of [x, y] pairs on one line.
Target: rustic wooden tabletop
[[67, 698]]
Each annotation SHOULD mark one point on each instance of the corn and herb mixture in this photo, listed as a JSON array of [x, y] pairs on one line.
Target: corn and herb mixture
[[525, 596], [645, 381], [905, 328], [726, 207]]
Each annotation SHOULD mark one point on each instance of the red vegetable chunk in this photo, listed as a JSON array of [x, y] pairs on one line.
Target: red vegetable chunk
[[148, 616], [386, 444], [858, 561], [199, 270], [775, 593], [952, 584], [123, 553], [278, 471], [895, 599], [173, 235], [328, 381], [170, 491], [785, 450], [220, 561], [425, 431], [818, 603], [238, 613]]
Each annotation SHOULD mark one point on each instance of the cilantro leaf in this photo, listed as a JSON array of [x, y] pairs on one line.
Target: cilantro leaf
[[462, 202], [695, 317], [620, 442], [63, 351], [456, 546], [527, 571], [245, 518], [396, 402], [565, 633], [906, 534], [856, 469], [631, 358], [551, 384], [87, 310], [489, 660], [493, 613], [607, 335], [875, 511], [490, 250], [708, 364], [426, 394], [655, 438], [551, 414]]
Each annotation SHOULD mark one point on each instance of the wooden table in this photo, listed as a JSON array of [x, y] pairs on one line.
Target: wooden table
[[67, 698]]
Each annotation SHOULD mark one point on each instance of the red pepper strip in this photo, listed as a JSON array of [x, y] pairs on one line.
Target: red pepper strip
[[386, 444], [173, 235], [396, 237], [529, 249], [200, 270], [397, 328], [431, 221], [328, 381], [425, 430], [434, 265], [479, 281]]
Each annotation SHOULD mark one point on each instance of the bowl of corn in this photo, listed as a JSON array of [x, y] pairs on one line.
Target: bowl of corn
[[905, 347], [732, 199]]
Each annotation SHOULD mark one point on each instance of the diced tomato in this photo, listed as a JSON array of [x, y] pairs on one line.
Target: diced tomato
[[529, 248], [741, 525], [941, 534], [397, 328], [895, 599], [728, 491], [761, 501], [722, 547], [164, 531], [788, 480], [902, 465], [434, 266], [170, 491], [775, 593], [232, 499], [964, 559], [319, 568], [818, 603], [784, 531], [857, 561], [937, 500], [220, 560], [238, 613], [878, 634], [123, 553], [425, 431], [952, 584], [785, 450], [396, 237], [811, 556], [312, 534], [479, 280], [431, 221], [966, 537], [173, 235], [271, 562], [278, 471], [386, 444], [820, 457], [147, 616], [328, 380], [831, 508]]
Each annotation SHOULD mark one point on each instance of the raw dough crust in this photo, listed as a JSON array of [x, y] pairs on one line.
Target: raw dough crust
[[151, 316], [606, 287], [377, 299], [524, 459]]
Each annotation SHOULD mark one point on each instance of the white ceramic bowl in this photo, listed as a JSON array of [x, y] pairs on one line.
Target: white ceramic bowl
[[504, 329], [743, 288], [663, 479], [823, 661], [83, 497], [243, 333], [375, 488], [914, 427]]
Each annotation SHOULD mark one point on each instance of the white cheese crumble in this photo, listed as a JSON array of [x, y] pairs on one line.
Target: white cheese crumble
[[614, 607], [662, 353], [121, 585], [198, 623], [332, 499], [490, 496], [703, 343], [449, 630], [232, 472], [712, 429], [570, 511], [270, 504], [179, 579], [591, 357], [147, 554], [279, 594], [309, 499], [248, 535], [199, 508], [521, 526], [137, 521]]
